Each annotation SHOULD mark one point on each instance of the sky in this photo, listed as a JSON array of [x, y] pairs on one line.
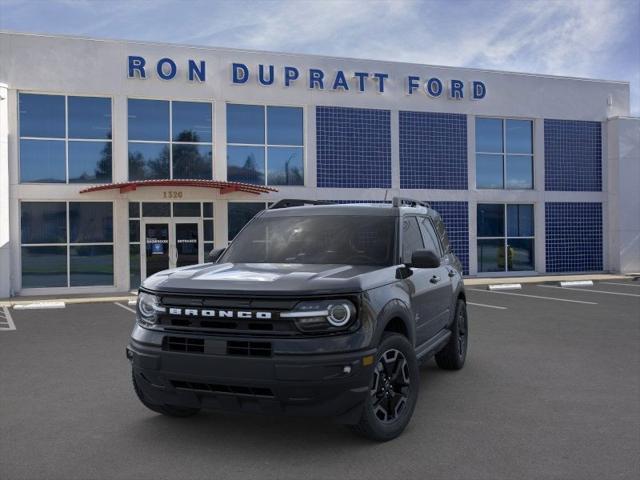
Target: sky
[[580, 38]]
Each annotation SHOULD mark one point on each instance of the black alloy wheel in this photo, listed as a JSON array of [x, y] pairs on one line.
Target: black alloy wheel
[[391, 386]]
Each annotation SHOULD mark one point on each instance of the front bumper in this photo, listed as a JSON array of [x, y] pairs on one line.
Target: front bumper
[[310, 384]]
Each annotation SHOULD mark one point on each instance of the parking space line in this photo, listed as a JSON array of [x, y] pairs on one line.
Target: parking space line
[[591, 290], [622, 284], [126, 308], [7, 324], [487, 306], [533, 296]]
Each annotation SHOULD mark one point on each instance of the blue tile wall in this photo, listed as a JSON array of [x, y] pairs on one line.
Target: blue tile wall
[[573, 236], [572, 155], [353, 147], [455, 216], [433, 150]]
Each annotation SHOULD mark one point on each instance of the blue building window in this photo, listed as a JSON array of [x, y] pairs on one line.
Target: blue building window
[[66, 244], [265, 144], [505, 237], [433, 150], [65, 139], [572, 156], [170, 139], [353, 147], [504, 153], [455, 216], [573, 236]]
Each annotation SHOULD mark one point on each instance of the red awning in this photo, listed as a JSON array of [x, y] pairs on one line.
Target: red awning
[[224, 187]]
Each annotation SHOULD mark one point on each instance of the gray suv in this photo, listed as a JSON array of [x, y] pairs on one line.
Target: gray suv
[[313, 309]]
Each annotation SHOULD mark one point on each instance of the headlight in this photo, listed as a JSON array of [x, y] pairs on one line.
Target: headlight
[[322, 316], [148, 309]]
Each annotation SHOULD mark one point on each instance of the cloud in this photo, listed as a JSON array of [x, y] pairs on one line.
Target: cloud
[[589, 38]]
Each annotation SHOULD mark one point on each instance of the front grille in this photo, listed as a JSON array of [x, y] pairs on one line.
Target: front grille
[[274, 326], [229, 389], [182, 344], [249, 349]]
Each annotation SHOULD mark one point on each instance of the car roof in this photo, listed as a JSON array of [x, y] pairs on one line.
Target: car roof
[[350, 209]]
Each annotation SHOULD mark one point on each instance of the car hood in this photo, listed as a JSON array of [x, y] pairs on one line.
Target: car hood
[[270, 278]]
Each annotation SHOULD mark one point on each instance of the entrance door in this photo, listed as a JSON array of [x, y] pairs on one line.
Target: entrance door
[[171, 243], [157, 248]]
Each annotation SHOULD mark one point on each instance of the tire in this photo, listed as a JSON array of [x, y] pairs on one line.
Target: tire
[[168, 410], [393, 393], [454, 353]]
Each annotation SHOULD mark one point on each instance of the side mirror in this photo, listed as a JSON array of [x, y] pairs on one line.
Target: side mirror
[[215, 254], [424, 259]]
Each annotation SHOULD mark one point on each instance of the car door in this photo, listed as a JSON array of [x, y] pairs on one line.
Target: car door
[[419, 284], [442, 287]]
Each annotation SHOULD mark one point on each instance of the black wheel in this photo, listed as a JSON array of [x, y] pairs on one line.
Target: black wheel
[[393, 390], [169, 410], [453, 355]]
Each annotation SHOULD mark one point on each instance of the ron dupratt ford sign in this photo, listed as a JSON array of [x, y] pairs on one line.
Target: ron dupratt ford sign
[[314, 78]]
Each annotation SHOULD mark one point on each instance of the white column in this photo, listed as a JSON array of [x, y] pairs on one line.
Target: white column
[[220, 224], [5, 244], [395, 151], [540, 243]]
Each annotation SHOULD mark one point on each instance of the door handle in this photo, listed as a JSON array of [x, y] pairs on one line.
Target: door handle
[[435, 279], [452, 273]]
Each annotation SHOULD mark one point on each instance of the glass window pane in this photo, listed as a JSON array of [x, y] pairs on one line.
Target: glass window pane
[[156, 209], [90, 222], [286, 166], [208, 230], [245, 124], [91, 265], [42, 161], [89, 162], [134, 230], [519, 171], [207, 249], [490, 220], [186, 209], [41, 115], [411, 238], [207, 209], [489, 171], [520, 254], [134, 266], [44, 222], [520, 220], [191, 121], [284, 126], [430, 237], [192, 161], [245, 164], [134, 210], [519, 136], [239, 214], [148, 120], [491, 255], [89, 117], [148, 161], [489, 135], [44, 267]]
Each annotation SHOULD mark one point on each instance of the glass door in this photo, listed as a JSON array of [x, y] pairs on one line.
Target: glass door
[[188, 242], [157, 255]]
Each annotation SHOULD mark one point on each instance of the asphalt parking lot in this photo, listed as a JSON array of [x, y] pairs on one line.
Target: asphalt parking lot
[[551, 389]]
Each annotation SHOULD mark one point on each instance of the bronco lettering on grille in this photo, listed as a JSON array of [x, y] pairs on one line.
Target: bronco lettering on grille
[[193, 312]]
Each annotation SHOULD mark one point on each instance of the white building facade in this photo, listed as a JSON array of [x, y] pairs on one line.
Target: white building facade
[[119, 159]]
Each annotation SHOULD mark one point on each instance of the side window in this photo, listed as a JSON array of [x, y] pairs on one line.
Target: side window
[[411, 238], [430, 239], [442, 234]]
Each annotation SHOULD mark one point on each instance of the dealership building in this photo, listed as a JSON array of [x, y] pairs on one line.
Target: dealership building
[[119, 159]]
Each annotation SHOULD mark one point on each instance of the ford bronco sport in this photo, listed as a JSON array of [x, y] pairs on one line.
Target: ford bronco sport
[[311, 310]]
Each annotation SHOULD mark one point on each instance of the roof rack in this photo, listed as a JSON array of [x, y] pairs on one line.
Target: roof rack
[[296, 202], [408, 202]]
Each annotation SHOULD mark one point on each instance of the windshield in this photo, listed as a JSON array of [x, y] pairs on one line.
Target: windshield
[[347, 240]]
